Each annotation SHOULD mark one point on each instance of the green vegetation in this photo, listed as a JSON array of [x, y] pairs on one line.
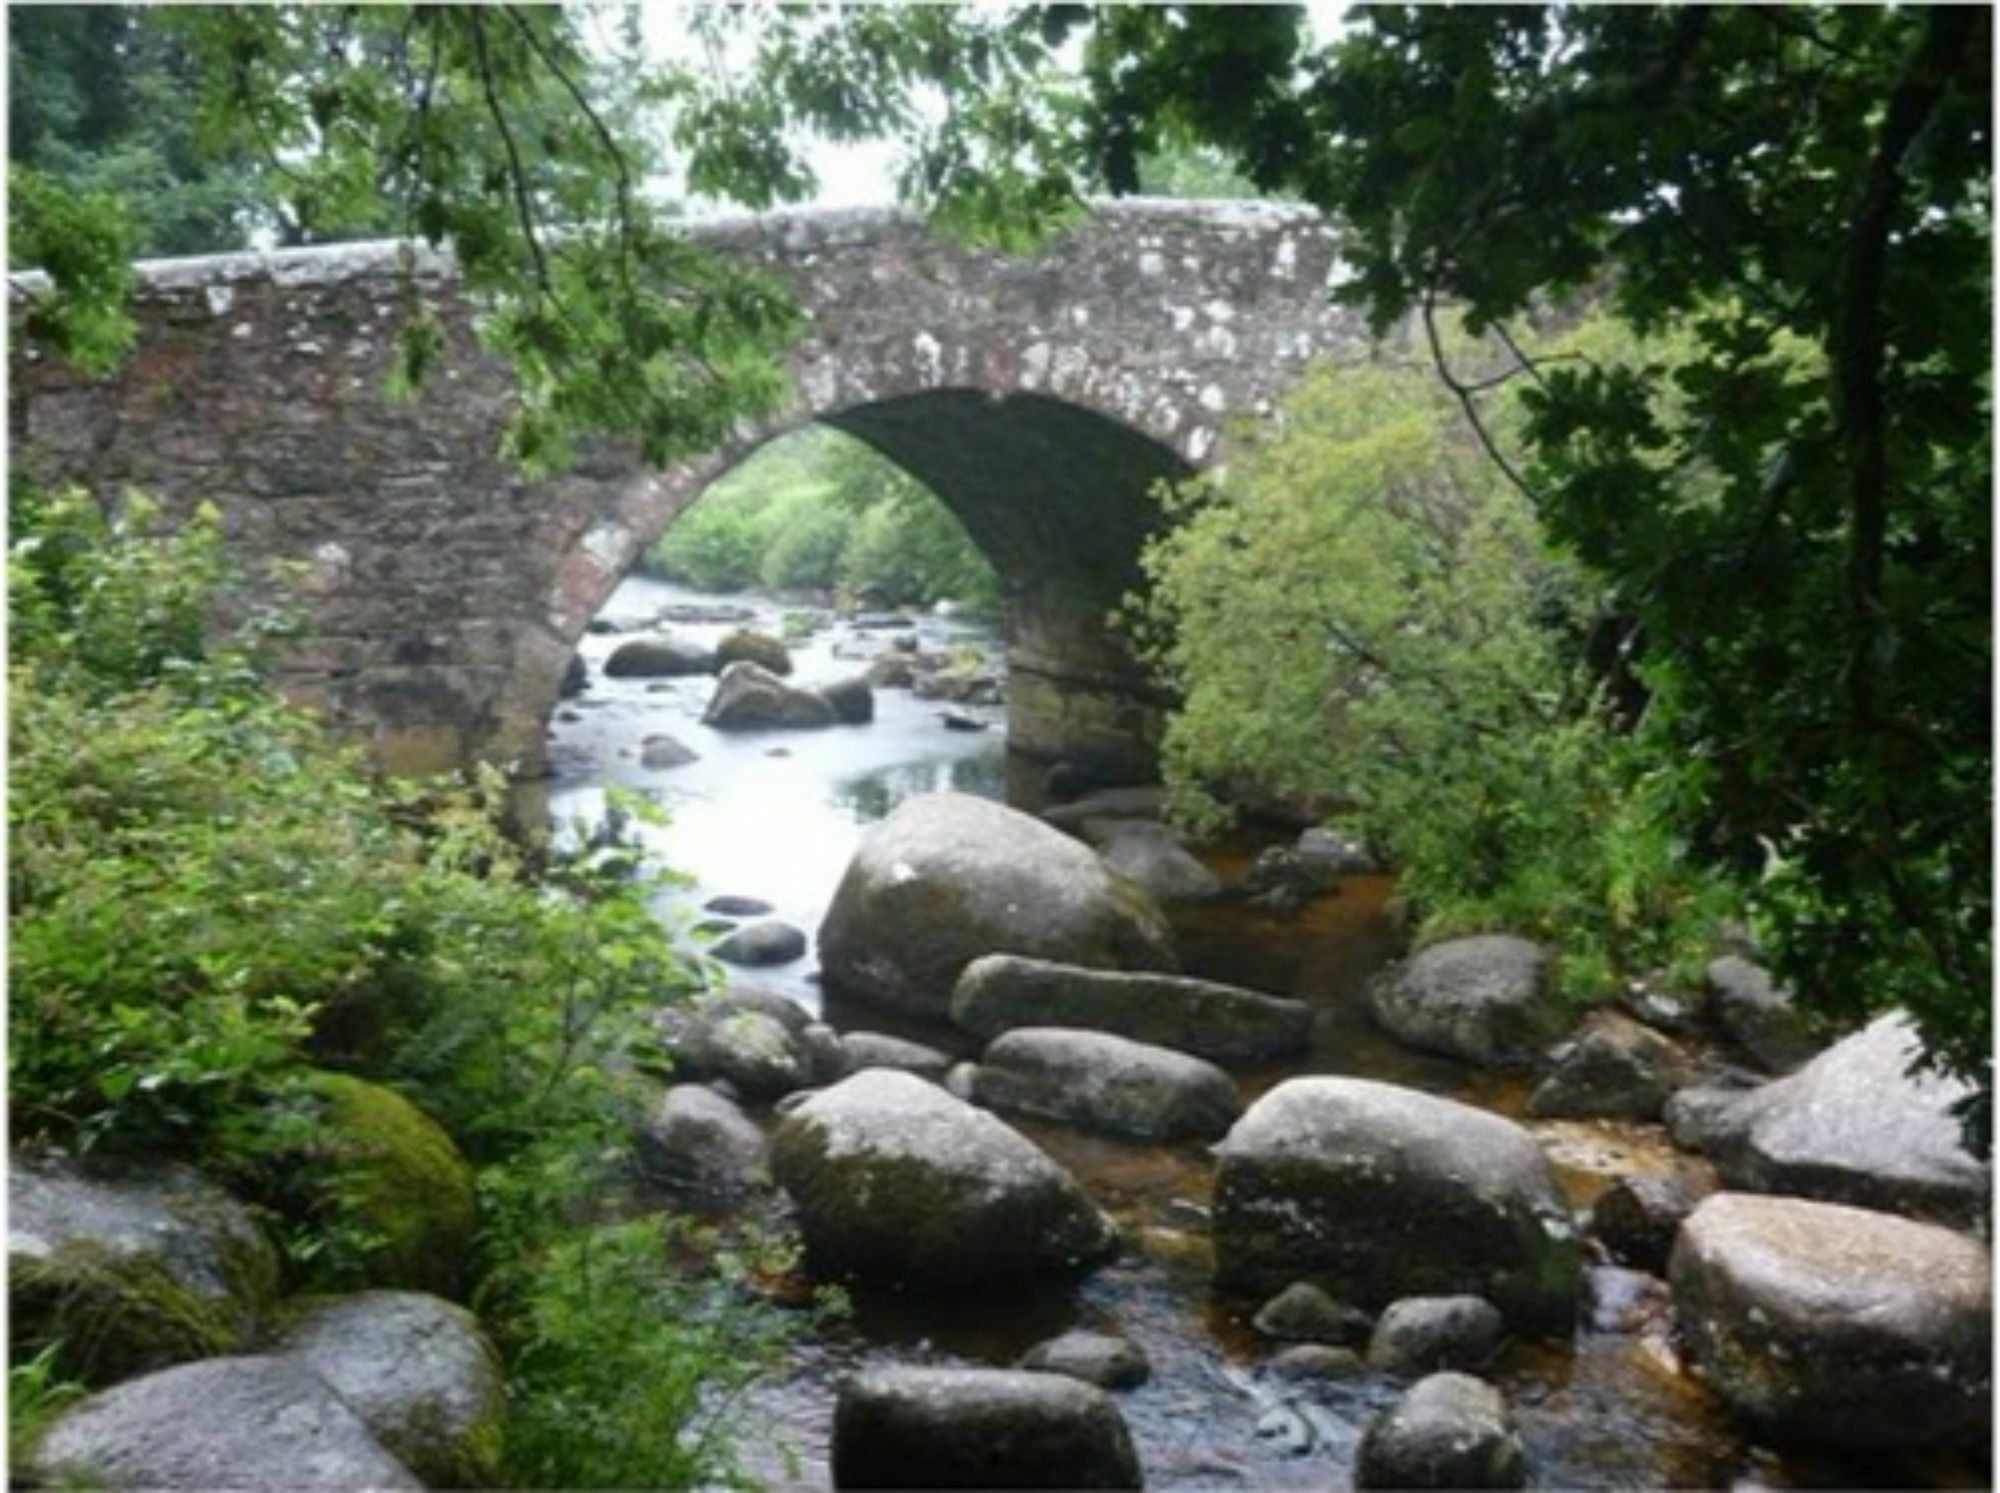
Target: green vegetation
[[212, 903], [818, 511], [1364, 609]]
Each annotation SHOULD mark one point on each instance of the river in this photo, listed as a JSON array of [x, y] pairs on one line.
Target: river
[[776, 815]]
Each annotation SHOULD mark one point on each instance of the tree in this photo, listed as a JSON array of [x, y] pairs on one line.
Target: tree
[[1802, 545]]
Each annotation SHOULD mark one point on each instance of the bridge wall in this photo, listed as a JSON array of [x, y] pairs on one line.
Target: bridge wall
[[1040, 396]]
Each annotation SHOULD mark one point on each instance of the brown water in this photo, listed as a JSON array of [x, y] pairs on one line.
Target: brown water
[[1611, 1408]]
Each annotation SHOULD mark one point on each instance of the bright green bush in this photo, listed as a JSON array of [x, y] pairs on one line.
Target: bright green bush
[[1363, 612]]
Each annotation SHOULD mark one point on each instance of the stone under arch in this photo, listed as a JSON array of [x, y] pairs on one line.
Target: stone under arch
[[1040, 396]]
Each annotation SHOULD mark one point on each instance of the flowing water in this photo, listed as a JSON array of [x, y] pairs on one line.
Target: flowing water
[[776, 815]]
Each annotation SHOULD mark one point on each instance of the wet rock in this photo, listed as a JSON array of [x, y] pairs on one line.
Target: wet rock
[[1219, 1022], [1152, 855], [663, 752], [852, 701], [1375, 1192], [130, 1274], [1307, 1361], [1333, 856], [890, 671], [603, 627], [1614, 1069], [763, 943], [1145, 802], [1762, 1018], [1282, 881], [1854, 1125], [1484, 1000], [978, 1428], [575, 679], [879, 1050], [658, 658], [1094, 1357], [958, 720], [253, 1423], [958, 686], [746, 645], [1303, 1313], [1618, 1300], [947, 878], [1447, 1431], [420, 1374], [1837, 1326], [737, 907], [698, 1141], [752, 1039], [1097, 1081], [1425, 1334], [894, 1179], [1637, 1217], [749, 697]]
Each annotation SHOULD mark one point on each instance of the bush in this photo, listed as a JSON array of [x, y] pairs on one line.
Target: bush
[[1363, 612]]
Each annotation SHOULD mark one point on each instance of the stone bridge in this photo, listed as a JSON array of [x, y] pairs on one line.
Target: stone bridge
[[1040, 397]]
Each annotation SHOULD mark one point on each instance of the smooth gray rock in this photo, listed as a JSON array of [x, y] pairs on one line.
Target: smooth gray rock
[[1220, 1022], [1097, 1081], [1637, 1217], [1485, 1000], [697, 1140], [1854, 1125], [1303, 1313], [1837, 1326], [1148, 853], [1425, 1334], [978, 1428], [880, 1050], [1748, 1004], [1613, 1069], [660, 753], [420, 1374], [852, 701], [893, 1178], [130, 1273], [737, 907], [256, 1423], [749, 697], [759, 944], [947, 878], [1094, 1357], [1447, 1431], [1377, 1192], [658, 658], [1304, 1361]]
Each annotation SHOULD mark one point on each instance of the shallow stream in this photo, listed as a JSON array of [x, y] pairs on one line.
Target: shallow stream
[[776, 816]]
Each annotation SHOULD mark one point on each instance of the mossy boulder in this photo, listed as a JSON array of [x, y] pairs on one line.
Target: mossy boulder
[[746, 645], [384, 1172], [130, 1274]]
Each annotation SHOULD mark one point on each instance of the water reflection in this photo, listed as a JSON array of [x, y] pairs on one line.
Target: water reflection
[[875, 795]]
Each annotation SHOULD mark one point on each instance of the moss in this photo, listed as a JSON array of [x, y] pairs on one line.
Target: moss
[[111, 1316], [392, 1179]]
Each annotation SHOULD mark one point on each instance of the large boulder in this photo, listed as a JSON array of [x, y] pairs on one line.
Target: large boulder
[[1486, 1000], [978, 1428], [256, 1423], [749, 697], [1377, 1192], [1855, 1125], [894, 1178], [388, 1171], [1096, 1081], [419, 1373], [658, 658], [1448, 1431], [1833, 1325], [760, 648], [696, 1140], [130, 1274], [852, 701], [1749, 1005], [947, 878], [1220, 1022], [1147, 852]]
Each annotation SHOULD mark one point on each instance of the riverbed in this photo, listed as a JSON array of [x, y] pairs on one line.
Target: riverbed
[[776, 815]]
